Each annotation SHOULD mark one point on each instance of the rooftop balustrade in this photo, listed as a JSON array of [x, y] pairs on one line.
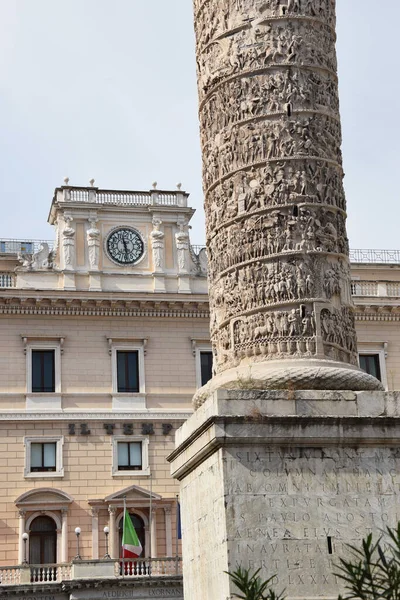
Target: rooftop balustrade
[[93, 195]]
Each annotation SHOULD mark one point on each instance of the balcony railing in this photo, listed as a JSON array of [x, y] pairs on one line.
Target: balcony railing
[[107, 569], [390, 289], [375, 256], [10, 246], [7, 280]]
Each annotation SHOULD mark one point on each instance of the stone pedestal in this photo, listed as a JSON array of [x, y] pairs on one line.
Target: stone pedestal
[[282, 481]]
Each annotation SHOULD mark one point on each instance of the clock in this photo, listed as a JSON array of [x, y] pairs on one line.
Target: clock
[[124, 246]]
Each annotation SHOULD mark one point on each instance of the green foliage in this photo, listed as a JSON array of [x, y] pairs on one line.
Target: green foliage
[[252, 586], [370, 573]]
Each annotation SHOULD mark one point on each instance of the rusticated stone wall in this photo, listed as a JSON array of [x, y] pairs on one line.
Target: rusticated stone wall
[[272, 172]]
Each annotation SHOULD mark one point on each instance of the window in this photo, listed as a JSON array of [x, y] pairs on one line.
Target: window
[[130, 455], [370, 364], [202, 352], [127, 371], [43, 371], [372, 359], [43, 457], [206, 365]]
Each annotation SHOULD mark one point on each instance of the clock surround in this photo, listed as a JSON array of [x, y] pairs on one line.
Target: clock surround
[[124, 245]]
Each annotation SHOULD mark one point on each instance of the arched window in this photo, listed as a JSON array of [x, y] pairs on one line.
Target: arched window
[[43, 541], [138, 524]]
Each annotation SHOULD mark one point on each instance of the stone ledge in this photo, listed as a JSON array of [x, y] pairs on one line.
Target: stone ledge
[[236, 417], [251, 403]]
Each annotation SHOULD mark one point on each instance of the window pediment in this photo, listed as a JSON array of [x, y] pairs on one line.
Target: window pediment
[[133, 492], [43, 497]]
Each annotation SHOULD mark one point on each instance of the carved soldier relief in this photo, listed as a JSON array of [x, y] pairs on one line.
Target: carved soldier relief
[[273, 182]]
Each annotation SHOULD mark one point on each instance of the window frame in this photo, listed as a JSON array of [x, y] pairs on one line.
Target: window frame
[[117, 353], [144, 440], [126, 398], [59, 441], [43, 345], [198, 350], [380, 350]]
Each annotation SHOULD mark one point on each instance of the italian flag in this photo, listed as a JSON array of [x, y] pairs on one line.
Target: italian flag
[[131, 546]]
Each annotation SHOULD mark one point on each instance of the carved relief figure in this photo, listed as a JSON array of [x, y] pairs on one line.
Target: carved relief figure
[[68, 243], [157, 244], [93, 240], [182, 245]]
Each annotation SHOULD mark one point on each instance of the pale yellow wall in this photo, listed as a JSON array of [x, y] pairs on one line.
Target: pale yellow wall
[[169, 251], [80, 244], [87, 465], [86, 363], [376, 273]]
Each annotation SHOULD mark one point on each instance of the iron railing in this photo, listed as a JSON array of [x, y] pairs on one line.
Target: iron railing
[[11, 246], [197, 248], [375, 256], [28, 246]]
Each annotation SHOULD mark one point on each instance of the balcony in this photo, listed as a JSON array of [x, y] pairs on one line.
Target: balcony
[[91, 569], [379, 289]]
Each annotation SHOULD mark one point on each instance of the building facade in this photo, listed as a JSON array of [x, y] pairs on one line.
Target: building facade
[[104, 340]]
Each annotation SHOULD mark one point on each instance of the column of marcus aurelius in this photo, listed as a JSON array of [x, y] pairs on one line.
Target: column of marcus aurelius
[[280, 293]]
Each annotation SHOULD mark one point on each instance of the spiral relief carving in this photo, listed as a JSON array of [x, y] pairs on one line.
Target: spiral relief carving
[[273, 181]]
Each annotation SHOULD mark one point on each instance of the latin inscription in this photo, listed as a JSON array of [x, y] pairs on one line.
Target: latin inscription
[[306, 505], [150, 593]]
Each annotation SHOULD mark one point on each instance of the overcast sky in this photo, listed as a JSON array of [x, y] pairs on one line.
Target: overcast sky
[[107, 89]]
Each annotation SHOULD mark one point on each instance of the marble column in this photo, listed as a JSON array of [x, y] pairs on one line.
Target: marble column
[[168, 530], [113, 550], [153, 529], [95, 533], [280, 294], [64, 536], [21, 531]]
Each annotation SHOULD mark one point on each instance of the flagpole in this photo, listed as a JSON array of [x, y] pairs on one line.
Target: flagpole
[[122, 541], [151, 515], [177, 529]]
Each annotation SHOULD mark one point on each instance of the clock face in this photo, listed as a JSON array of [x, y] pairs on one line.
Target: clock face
[[125, 246]]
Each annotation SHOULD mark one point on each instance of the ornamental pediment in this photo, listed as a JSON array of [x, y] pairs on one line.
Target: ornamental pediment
[[43, 496], [133, 492]]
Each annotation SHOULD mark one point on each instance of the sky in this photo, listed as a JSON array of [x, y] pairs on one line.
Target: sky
[[107, 89]]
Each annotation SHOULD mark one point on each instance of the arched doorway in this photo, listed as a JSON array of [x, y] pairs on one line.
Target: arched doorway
[[139, 526], [43, 541]]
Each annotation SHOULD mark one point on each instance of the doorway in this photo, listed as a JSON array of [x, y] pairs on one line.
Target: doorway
[[43, 541]]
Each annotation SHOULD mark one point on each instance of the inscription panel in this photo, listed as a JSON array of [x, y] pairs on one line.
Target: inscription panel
[[291, 511], [136, 593]]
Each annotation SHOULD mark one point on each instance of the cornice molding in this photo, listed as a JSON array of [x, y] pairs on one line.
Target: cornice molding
[[61, 305], [89, 416]]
